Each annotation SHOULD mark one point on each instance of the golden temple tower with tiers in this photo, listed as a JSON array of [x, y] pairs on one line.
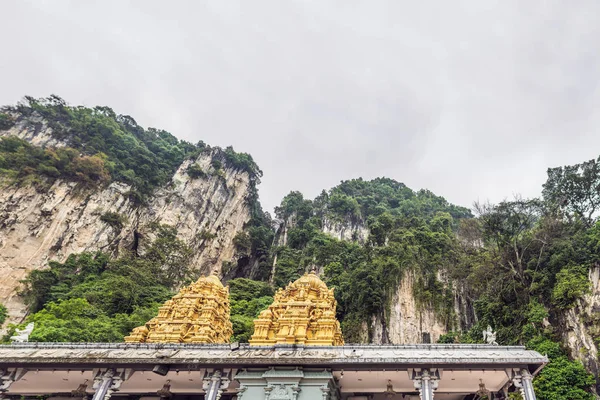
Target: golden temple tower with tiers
[[302, 313], [199, 313]]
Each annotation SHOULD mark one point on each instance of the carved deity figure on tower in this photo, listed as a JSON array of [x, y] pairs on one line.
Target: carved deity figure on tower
[[199, 313], [302, 313]]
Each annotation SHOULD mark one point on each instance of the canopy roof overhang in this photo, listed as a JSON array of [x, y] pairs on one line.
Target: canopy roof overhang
[[60, 367]]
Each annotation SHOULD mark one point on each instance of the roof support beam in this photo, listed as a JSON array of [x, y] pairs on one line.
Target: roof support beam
[[425, 381]]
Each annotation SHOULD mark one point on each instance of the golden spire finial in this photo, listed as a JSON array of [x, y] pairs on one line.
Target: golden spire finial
[[199, 313], [302, 313]]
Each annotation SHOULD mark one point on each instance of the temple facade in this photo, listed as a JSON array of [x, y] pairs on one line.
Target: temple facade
[[296, 353]]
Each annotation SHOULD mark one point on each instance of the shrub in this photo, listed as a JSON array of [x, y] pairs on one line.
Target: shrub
[[216, 164], [3, 314], [6, 121], [205, 234], [114, 219], [571, 284], [242, 242], [195, 171]]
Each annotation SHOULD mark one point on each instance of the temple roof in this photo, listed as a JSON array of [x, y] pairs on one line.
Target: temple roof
[[302, 313], [199, 313], [61, 367], [358, 356], [312, 281], [214, 279]]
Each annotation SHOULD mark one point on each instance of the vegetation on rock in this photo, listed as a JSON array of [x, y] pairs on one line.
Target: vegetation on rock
[[90, 297], [410, 232], [248, 298], [143, 158], [523, 264], [28, 164], [3, 314]]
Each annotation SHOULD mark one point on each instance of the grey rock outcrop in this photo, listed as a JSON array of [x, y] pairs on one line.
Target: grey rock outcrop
[[580, 325], [39, 226]]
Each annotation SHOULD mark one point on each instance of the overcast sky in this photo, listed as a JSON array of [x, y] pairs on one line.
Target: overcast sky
[[470, 99]]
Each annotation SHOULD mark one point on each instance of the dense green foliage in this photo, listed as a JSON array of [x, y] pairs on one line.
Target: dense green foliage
[[410, 233], [522, 264], [143, 158], [248, 298], [3, 314], [533, 267], [92, 298], [26, 163], [6, 121], [561, 378]]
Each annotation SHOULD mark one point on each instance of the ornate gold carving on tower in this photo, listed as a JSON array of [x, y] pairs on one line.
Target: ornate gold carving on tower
[[199, 313], [302, 313]]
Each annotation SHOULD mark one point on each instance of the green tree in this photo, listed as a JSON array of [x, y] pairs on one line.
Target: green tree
[[571, 284], [248, 299], [3, 314], [575, 189]]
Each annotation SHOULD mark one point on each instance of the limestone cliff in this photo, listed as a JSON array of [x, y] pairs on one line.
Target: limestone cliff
[[580, 325], [346, 230], [34, 129], [38, 226], [407, 321]]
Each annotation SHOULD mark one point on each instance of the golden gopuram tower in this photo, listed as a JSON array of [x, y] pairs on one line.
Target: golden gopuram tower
[[199, 313], [302, 313]]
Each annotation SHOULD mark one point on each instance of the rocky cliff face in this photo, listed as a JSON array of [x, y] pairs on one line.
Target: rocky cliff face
[[580, 326], [208, 212], [346, 230], [410, 322], [407, 322], [33, 129], [36, 227]]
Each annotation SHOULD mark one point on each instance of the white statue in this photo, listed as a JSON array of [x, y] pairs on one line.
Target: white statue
[[22, 335], [490, 336]]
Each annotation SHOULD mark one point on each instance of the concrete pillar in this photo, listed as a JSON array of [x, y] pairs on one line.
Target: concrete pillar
[[215, 383], [425, 381], [523, 380]]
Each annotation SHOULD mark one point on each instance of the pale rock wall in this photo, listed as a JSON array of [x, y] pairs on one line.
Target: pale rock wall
[[35, 130], [407, 322], [579, 323], [346, 230], [36, 227], [216, 205], [464, 311]]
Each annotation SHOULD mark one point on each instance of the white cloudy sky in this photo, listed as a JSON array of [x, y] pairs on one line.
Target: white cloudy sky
[[470, 99]]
